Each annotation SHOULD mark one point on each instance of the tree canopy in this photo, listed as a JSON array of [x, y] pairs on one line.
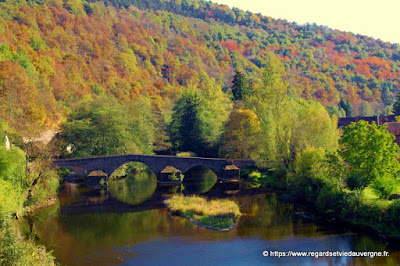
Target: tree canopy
[[240, 86], [104, 127], [242, 135], [199, 118], [371, 156]]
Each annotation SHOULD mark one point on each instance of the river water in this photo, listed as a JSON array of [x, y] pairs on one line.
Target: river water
[[129, 225]]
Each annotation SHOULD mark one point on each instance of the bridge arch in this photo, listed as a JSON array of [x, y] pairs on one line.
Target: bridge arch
[[113, 169], [199, 181], [140, 166], [190, 168]]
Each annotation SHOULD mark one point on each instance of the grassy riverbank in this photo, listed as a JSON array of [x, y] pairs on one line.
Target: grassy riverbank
[[218, 214], [361, 208], [24, 186]]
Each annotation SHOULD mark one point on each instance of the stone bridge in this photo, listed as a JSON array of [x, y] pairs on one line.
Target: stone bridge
[[108, 164]]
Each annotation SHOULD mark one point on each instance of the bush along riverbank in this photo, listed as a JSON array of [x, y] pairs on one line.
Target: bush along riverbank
[[25, 184], [328, 199], [356, 182], [220, 215], [356, 208]]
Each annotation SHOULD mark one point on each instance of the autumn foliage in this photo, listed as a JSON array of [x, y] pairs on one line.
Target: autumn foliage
[[53, 54]]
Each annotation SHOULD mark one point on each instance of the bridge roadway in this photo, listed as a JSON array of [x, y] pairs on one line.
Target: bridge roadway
[[108, 164]]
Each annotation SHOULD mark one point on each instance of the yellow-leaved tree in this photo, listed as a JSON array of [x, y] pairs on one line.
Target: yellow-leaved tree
[[241, 138]]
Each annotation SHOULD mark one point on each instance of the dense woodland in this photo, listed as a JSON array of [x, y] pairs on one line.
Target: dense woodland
[[56, 54]]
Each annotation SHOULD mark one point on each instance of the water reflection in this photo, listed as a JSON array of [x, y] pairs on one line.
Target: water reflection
[[83, 230], [199, 180], [135, 188]]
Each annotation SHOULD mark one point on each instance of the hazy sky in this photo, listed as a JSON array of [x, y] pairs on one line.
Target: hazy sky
[[378, 18]]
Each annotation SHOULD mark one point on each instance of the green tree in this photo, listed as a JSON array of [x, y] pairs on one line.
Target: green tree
[[199, 118], [184, 128], [273, 74], [289, 124], [301, 124], [334, 110], [240, 87], [371, 156], [12, 165], [347, 107], [141, 125], [105, 127], [349, 110], [396, 106], [12, 181], [214, 112]]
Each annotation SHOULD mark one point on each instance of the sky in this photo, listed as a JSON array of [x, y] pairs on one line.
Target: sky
[[379, 19]]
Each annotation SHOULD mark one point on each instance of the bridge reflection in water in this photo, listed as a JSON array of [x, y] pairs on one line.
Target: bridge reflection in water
[[137, 191]]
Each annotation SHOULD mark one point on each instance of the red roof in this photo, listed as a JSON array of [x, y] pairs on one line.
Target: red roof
[[394, 128]]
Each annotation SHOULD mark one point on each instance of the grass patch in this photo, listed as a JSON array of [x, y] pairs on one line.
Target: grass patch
[[217, 222], [213, 214], [371, 198], [202, 206]]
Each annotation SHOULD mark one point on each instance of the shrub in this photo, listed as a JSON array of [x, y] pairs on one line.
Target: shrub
[[330, 200], [311, 173], [17, 251], [259, 179], [370, 214], [392, 215], [45, 188], [11, 199], [384, 186], [12, 165], [350, 202]]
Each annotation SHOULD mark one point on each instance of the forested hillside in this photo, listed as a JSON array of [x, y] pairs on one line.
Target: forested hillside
[[54, 55]]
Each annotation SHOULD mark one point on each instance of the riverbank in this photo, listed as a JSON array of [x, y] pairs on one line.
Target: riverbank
[[354, 209], [16, 249], [45, 203], [220, 215]]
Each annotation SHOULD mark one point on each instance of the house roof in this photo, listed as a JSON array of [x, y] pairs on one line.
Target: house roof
[[394, 128], [45, 137]]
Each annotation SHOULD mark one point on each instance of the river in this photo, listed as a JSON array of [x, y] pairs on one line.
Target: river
[[129, 225]]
